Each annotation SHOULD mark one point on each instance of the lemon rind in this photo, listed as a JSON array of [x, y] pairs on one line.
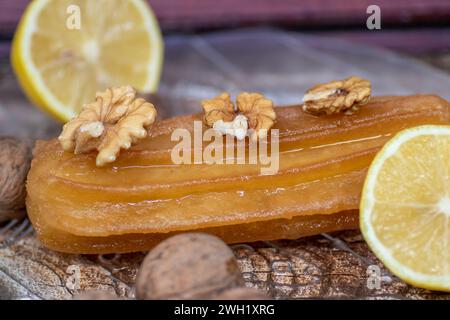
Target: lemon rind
[[31, 80], [418, 279]]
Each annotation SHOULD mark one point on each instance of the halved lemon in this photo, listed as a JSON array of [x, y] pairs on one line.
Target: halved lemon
[[66, 50], [405, 206]]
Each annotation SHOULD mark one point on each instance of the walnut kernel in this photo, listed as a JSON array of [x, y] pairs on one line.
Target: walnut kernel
[[252, 108], [259, 112], [337, 96], [114, 121], [218, 108]]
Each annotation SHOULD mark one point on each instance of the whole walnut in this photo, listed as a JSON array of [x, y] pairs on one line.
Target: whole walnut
[[243, 293], [96, 295], [15, 158], [188, 266]]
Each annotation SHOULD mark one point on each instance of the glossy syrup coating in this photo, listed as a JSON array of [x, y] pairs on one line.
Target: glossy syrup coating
[[143, 197]]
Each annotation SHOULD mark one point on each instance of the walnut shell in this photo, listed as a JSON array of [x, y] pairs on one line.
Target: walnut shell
[[188, 266], [242, 294], [15, 159], [96, 295]]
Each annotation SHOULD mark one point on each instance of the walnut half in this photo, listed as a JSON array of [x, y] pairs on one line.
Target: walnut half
[[259, 112], [254, 111], [337, 96], [114, 121], [218, 108]]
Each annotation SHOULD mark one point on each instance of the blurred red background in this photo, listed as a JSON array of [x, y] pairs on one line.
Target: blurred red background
[[408, 25], [188, 15]]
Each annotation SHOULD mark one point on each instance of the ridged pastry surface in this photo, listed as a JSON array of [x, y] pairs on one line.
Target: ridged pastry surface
[[78, 207]]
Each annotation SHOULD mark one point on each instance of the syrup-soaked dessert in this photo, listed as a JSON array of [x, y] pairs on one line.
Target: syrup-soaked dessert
[[133, 202]]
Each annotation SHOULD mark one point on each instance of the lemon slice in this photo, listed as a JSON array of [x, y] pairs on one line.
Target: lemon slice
[[66, 50], [405, 206]]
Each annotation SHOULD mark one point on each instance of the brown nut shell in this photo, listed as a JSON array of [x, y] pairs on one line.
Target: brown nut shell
[[243, 293], [188, 266], [15, 158], [96, 295]]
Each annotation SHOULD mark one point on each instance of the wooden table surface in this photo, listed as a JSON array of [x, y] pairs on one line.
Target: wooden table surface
[[282, 65]]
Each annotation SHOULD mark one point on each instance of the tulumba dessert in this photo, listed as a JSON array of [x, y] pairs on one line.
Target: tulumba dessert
[[142, 197]]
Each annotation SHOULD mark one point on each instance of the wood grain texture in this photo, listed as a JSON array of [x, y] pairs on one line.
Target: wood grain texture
[[327, 266]]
